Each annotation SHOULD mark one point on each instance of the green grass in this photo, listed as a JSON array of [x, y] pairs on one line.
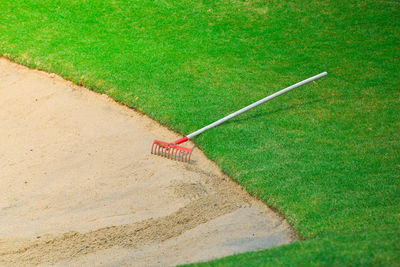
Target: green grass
[[326, 156]]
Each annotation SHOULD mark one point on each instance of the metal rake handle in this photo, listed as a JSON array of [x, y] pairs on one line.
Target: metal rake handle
[[255, 104]]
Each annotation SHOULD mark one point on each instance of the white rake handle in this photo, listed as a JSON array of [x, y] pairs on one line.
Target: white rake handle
[[259, 102], [255, 104]]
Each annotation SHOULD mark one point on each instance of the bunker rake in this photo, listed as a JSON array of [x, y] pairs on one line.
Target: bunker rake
[[180, 153]]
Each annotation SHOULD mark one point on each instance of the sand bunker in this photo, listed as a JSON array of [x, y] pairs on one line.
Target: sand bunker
[[79, 186]]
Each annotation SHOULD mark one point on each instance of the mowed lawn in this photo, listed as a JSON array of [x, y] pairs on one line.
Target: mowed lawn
[[326, 156]]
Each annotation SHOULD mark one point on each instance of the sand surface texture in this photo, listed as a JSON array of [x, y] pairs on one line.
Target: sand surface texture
[[78, 185]]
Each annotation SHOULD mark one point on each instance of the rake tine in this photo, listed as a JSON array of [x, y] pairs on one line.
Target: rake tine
[[155, 149]]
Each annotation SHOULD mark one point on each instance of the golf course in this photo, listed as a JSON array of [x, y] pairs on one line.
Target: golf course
[[321, 163]]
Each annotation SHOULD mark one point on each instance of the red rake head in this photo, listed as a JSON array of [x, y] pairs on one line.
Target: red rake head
[[171, 151]]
